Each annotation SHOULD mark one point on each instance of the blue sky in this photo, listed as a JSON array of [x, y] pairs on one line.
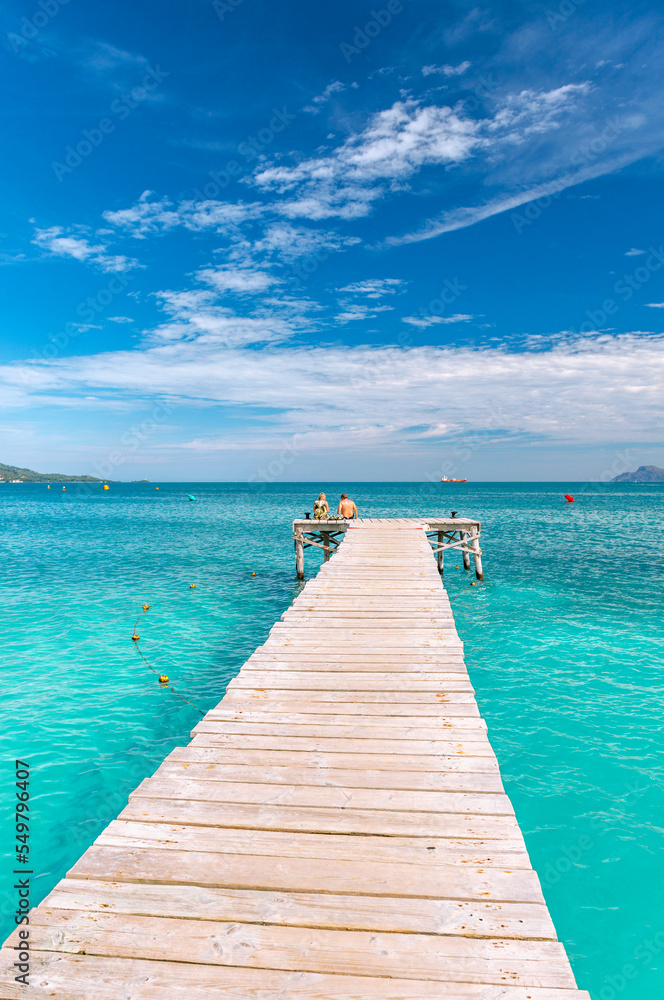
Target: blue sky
[[247, 240]]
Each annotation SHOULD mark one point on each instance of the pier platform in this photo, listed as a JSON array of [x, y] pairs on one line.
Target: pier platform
[[336, 829]]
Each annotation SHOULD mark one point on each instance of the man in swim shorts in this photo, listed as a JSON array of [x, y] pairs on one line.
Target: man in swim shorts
[[346, 507]]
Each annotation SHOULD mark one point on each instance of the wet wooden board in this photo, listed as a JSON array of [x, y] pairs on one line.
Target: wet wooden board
[[336, 829]]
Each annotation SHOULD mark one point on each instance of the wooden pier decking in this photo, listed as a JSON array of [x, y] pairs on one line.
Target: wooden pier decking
[[336, 829]]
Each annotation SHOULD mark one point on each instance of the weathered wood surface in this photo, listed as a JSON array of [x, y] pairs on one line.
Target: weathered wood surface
[[336, 829]]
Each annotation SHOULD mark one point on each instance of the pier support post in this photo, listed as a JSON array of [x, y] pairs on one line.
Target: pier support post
[[326, 541], [299, 557], [477, 556], [465, 553], [439, 554]]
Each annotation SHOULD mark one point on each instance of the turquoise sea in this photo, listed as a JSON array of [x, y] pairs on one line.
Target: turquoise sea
[[563, 642]]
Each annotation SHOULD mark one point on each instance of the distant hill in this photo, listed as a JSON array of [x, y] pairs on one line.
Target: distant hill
[[644, 474], [9, 472]]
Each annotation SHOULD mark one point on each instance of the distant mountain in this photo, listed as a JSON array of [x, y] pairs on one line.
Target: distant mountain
[[644, 474], [12, 472]]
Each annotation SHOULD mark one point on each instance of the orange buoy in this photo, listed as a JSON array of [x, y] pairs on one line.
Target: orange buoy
[[191, 586], [146, 607], [569, 498], [136, 637], [163, 679], [253, 574]]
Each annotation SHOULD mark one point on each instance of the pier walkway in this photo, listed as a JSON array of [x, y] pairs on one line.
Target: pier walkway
[[336, 829]]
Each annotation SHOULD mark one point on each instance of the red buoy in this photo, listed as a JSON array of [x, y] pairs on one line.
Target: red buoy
[[569, 498]]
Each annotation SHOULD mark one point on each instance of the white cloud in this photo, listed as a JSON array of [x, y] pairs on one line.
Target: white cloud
[[316, 106], [355, 311], [446, 70], [655, 305], [284, 242], [375, 288], [461, 218], [394, 145], [398, 142], [120, 319], [152, 215], [634, 252], [59, 243], [424, 321], [588, 390], [236, 279]]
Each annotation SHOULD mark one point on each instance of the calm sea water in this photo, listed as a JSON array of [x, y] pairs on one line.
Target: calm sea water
[[563, 642]]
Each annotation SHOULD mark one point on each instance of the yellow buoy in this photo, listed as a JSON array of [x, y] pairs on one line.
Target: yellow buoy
[[146, 607], [156, 487], [136, 637], [106, 487], [163, 679], [253, 574], [191, 586]]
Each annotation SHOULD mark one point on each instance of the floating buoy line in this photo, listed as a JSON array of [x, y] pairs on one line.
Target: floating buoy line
[[163, 678]]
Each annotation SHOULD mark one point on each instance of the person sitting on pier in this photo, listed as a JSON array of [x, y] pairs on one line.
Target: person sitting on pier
[[347, 507], [321, 507]]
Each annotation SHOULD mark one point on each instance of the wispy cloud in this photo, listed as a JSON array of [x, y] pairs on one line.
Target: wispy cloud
[[586, 390], [318, 102], [57, 242], [446, 69], [356, 311], [634, 252], [424, 321], [400, 141], [375, 288]]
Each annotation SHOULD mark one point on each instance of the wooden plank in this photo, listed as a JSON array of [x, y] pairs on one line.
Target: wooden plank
[[327, 796], [361, 730], [439, 747], [385, 823], [400, 956], [301, 909], [442, 781], [244, 703], [441, 766], [461, 730], [420, 851], [254, 871], [88, 977], [379, 683]]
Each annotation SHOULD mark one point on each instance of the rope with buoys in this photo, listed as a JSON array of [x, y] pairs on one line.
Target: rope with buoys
[[163, 678]]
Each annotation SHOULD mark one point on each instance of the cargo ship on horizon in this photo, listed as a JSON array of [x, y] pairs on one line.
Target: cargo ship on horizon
[[446, 479]]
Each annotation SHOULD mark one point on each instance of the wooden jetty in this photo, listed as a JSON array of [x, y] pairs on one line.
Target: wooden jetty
[[335, 830]]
